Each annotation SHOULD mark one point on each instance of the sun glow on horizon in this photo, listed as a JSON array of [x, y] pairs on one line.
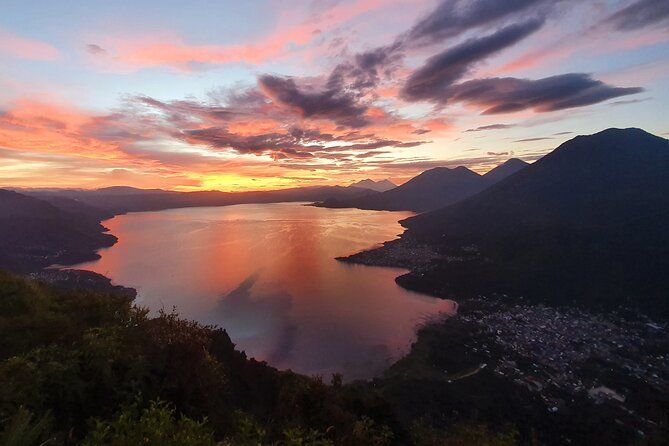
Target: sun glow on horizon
[[324, 93]]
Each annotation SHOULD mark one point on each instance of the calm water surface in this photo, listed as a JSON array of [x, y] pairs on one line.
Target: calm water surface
[[267, 274]]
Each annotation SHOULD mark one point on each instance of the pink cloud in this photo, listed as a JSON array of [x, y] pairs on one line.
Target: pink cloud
[[292, 34], [24, 48]]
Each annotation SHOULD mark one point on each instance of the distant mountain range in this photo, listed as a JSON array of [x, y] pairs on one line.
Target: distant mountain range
[[377, 186], [121, 199], [42, 227], [588, 222], [432, 189]]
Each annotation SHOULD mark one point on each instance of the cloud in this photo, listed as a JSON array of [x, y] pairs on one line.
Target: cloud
[[491, 127], [507, 95], [283, 143], [329, 103], [372, 153], [246, 122], [498, 153], [365, 70], [296, 33], [430, 81], [641, 14], [630, 101], [562, 133], [24, 48], [95, 49], [533, 139], [453, 17]]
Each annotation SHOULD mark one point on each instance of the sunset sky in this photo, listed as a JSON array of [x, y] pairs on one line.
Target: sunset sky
[[239, 95]]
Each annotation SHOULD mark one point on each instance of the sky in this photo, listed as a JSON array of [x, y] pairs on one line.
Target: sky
[[253, 95]]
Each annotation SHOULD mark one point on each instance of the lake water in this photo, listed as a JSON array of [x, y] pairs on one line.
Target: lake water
[[267, 273]]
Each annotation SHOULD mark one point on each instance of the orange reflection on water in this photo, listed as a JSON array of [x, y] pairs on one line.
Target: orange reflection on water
[[267, 274]]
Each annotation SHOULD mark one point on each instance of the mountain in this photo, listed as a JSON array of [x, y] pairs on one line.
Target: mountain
[[35, 233], [504, 170], [378, 186], [596, 181], [586, 222], [77, 208], [127, 190], [432, 189], [122, 199]]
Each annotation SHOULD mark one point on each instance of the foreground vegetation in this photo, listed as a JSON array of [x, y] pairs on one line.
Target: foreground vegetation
[[88, 368]]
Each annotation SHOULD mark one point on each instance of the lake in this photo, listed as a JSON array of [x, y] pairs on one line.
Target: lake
[[267, 274]]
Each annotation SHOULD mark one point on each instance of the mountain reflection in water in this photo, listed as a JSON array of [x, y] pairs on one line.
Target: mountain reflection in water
[[267, 273]]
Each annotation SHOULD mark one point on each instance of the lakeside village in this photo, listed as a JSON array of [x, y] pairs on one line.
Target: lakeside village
[[567, 353]]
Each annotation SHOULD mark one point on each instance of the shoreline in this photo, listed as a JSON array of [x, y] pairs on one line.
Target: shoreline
[[473, 354], [566, 363]]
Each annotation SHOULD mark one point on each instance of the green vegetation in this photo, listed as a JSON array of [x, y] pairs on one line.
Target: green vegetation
[[93, 369]]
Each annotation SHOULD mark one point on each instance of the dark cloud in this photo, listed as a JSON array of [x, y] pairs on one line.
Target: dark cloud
[[92, 48], [506, 95], [630, 101], [365, 70], [533, 139], [283, 143], [641, 14], [562, 133], [380, 144], [439, 72], [371, 153], [491, 127], [330, 103], [498, 153], [297, 143], [453, 17], [225, 122]]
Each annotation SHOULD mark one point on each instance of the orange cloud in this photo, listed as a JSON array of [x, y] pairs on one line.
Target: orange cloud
[[50, 128]]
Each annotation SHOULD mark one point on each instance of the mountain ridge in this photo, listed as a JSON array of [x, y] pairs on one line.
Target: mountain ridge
[[378, 186], [429, 190], [586, 224]]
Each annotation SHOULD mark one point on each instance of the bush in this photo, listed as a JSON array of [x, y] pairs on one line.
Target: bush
[[157, 425]]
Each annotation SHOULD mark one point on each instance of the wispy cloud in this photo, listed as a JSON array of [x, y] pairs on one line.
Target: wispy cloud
[[491, 127], [25, 48], [641, 14]]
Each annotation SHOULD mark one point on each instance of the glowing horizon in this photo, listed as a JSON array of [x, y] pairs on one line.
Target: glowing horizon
[[258, 96]]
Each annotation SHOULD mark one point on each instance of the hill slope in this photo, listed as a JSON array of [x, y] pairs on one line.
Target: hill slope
[[598, 181], [35, 233], [504, 170], [586, 222]]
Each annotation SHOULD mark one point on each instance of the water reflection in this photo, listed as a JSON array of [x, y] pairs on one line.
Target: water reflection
[[262, 322], [267, 274]]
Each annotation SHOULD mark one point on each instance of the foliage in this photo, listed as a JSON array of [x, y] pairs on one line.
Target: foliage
[[157, 425], [423, 434], [23, 430], [91, 368]]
